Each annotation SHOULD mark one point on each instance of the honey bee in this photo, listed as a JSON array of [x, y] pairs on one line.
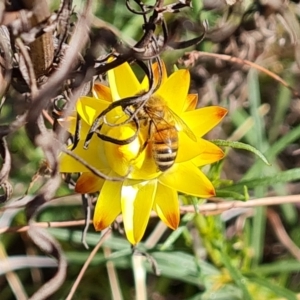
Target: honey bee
[[163, 126]]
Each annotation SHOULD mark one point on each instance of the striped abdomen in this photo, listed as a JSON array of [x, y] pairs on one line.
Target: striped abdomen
[[164, 141]]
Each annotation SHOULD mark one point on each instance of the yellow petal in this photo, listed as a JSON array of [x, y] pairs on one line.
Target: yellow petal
[[89, 108], [67, 164], [123, 82], [93, 156], [188, 179], [119, 157], [211, 153], [137, 202], [88, 183], [145, 167], [145, 82], [69, 123], [204, 119], [101, 91], [108, 205], [174, 90], [191, 102], [166, 205], [188, 149]]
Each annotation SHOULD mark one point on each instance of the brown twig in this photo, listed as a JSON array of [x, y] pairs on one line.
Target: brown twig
[[43, 225], [112, 276], [222, 206], [78, 41], [191, 57], [206, 209], [104, 236], [29, 67], [281, 233]]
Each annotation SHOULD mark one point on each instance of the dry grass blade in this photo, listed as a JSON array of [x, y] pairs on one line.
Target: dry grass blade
[[25, 261], [12, 278], [104, 236], [113, 276]]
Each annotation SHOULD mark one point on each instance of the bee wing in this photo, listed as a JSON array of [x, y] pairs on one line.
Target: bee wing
[[182, 126]]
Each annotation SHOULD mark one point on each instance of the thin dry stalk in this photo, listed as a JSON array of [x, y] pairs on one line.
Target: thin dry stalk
[[112, 276], [13, 280], [281, 233], [191, 57], [105, 234], [207, 209]]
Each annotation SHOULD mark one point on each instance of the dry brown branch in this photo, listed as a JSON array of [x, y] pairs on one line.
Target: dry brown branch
[[281, 233], [112, 276], [207, 208], [59, 224], [104, 236], [50, 89], [222, 206], [29, 67], [190, 58], [51, 247]]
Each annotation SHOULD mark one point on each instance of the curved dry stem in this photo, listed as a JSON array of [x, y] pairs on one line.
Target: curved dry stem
[[281, 234], [191, 57]]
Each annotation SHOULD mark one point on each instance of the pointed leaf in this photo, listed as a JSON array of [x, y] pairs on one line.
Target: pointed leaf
[[239, 145]]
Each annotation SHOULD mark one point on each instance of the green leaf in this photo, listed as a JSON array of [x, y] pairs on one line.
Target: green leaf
[[285, 266], [274, 150], [173, 237], [258, 234], [92, 239], [282, 103], [183, 267], [243, 146], [236, 276], [278, 290], [224, 293], [230, 194], [286, 176]]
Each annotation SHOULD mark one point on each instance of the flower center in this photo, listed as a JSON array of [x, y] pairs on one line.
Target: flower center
[[134, 159], [119, 157]]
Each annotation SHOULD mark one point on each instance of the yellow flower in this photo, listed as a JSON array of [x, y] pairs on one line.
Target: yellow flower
[[144, 187]]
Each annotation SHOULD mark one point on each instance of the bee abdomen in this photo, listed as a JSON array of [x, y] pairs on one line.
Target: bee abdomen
[[165, 161], [164, 153]]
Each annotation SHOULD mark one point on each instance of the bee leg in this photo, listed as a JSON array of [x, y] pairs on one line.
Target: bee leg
[[77, 132], [147, 140], [87, 204], [144, 146]]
